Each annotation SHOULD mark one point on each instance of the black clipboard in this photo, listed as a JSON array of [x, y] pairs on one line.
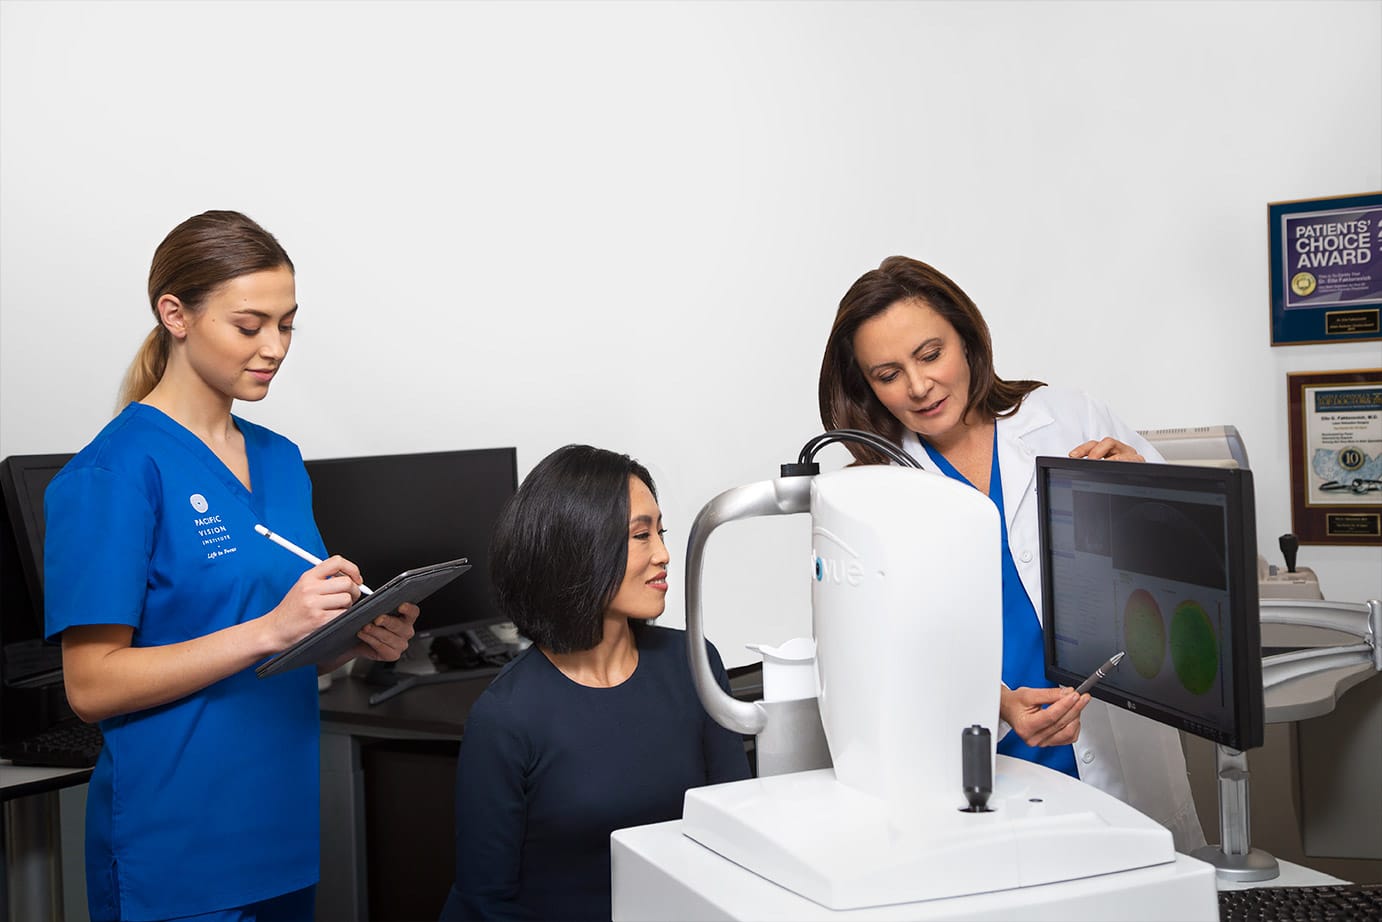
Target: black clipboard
[[338, 634]]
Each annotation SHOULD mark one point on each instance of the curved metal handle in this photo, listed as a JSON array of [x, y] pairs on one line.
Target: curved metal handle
[[784, 496], [1362, 619]]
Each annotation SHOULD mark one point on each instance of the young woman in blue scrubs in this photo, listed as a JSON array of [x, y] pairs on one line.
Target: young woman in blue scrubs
[[204, 803], [910, 358]]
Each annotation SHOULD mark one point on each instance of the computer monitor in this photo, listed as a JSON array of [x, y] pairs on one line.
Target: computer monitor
[[27, 659], [1158, 561], [390, 513]]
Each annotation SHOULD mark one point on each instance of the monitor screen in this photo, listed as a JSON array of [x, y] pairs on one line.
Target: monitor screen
[[1157, 561], [27, 658], [23, 478], [390, 513]]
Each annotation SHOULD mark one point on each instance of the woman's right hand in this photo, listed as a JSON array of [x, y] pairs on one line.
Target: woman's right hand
[[319, 595], [1043, 716], [106, 675]]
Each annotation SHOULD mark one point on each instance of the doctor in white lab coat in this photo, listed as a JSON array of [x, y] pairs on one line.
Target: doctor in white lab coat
[[910, 358]]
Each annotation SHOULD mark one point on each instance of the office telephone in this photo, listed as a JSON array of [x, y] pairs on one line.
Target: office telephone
[[477, 645]]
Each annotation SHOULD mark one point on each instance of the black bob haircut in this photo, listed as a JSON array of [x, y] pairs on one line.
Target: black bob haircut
[[561, 546]]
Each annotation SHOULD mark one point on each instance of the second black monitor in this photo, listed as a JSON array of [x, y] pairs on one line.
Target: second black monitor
[[390, 513], [1158, 561]]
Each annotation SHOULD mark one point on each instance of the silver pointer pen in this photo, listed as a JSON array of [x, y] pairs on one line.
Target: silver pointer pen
[[1099, 673]]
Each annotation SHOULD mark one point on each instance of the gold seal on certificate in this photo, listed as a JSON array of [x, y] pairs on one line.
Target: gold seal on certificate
[[1303, 284]]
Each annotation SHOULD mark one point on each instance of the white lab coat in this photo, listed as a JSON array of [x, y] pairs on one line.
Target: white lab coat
[[1124, 754]]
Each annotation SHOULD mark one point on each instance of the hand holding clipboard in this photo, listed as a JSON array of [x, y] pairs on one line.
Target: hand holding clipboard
[[339, 635]]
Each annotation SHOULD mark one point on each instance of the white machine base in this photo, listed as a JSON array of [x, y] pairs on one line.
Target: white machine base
[[660, 874], [847, 850], [804, 845]]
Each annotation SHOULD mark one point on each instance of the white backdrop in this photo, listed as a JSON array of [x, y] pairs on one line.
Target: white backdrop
[[629, 224]]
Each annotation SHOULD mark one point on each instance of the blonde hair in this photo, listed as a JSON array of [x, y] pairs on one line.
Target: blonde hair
[[147, 368], [198, 256]]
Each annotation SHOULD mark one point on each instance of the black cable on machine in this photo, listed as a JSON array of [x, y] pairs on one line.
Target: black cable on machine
[[806, 465]]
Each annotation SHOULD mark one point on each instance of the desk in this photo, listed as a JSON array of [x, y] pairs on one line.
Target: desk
[[349, 721], [31, 887]]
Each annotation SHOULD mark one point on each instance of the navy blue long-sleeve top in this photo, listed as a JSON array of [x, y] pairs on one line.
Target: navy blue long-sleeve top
[[549, 768]]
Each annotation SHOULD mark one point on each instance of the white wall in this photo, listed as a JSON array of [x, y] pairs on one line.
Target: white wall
[[630, 224]]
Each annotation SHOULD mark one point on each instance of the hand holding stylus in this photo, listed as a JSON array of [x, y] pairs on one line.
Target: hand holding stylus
[[313, 559], [1100, 673]]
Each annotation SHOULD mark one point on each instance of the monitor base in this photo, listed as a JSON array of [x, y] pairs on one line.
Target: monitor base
[[1254, 866]]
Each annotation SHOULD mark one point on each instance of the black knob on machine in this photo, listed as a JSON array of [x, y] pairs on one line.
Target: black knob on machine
[[1289, 545], [976, 756]]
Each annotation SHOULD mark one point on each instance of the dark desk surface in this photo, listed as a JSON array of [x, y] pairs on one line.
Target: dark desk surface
[[23, 780], [439, 710]]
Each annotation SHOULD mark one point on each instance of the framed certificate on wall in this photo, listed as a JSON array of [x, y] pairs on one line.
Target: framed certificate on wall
[[1325, 257], [1336, 456]]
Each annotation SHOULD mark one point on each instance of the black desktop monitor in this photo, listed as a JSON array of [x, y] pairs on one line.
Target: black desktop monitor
[[27, 659], [1158, 561], [23, 478], [390, 513]]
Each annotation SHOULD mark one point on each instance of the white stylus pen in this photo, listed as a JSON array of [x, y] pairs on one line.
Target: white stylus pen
[[310, 558]]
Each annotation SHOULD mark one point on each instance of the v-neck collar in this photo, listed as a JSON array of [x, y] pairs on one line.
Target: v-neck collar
[[203, 452], [995, 481]]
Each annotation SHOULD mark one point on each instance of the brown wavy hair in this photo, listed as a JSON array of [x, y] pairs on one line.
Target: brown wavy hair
[[846, 399], [196, 257]]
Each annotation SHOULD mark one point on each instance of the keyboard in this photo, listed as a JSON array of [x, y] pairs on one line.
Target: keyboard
[[1345, 902], [66, 745]]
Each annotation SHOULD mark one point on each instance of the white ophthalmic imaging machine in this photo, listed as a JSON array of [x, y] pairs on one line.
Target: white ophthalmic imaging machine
[[914, 816]]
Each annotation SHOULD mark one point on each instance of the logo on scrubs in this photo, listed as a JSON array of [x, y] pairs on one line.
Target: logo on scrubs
[[211, 529]]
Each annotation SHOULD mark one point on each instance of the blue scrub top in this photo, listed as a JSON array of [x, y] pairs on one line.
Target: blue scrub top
[[211, 801], [1024, 657]]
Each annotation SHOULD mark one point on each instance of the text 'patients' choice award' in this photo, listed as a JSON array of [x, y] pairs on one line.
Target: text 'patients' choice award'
[[1326, 269]]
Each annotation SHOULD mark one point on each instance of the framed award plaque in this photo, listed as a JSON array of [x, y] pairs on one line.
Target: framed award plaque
[[1326, 269], [1336, 456]]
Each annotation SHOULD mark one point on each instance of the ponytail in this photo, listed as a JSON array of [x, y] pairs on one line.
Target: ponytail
[[147, 368]]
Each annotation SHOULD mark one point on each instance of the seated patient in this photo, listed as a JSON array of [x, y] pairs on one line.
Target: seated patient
[[595, 727]]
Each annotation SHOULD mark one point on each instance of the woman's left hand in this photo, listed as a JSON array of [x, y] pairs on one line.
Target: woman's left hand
[[386, 637], [1108, 449]]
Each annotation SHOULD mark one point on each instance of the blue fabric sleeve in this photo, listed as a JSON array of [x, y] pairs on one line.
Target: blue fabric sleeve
[[98, 540], [725, 758], [491, 810]]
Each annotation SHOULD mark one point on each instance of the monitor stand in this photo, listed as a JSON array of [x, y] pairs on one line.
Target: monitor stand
[[1234, 858]]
